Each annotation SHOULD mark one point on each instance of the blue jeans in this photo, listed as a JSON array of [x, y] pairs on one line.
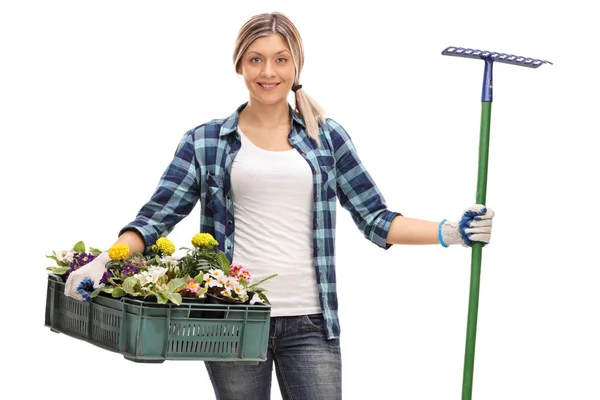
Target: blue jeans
[[308, 366]]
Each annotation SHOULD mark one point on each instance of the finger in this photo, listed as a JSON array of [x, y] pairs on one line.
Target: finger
[[487, 214], [480, 237], [480, 229], [476, 208], [477, 224]]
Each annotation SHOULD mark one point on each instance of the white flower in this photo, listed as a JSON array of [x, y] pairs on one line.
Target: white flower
[[152, 275], [216, 273], [222, 281], [240, 291], [65, 255], [169, 261]]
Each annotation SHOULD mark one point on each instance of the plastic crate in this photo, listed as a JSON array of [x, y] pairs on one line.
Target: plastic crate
[[143, 331]]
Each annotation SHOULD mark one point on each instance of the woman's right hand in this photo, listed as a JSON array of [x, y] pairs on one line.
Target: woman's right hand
[[93, 270]]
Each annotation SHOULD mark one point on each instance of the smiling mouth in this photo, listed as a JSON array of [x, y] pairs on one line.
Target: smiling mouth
[[268, 85]]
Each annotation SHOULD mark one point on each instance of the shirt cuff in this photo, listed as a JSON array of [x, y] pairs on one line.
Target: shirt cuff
[[379, 233]]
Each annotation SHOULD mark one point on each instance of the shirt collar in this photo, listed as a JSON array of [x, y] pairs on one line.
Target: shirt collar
[[230, 123]]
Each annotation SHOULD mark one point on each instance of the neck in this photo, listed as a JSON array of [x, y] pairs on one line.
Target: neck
[[266, 115]]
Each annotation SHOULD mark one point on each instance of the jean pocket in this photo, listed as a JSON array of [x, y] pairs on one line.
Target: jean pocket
[[315, 321]]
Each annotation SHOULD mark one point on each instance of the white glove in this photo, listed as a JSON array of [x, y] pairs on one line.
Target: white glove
[[93, 270], [475, 225]]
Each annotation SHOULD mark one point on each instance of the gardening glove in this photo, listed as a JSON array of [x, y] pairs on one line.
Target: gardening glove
[[475, 225], [87, 278]]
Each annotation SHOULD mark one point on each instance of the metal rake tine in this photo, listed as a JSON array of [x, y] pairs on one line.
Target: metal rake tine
[[505, 58]]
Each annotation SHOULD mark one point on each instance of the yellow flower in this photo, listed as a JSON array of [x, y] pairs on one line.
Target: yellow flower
[[204, 240], [118, 252], [165, 246]]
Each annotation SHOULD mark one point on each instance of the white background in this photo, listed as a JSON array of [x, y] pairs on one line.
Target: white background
[[95, 97]]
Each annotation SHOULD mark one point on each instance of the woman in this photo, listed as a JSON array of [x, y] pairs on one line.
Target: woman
[[267, 179]]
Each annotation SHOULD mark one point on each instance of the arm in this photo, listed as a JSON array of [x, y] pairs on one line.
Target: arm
[[404, 230]]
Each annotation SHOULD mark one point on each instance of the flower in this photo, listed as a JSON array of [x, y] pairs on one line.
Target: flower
[[238, 272], [204, 240], [118, 252], [152, 275], [165, 246], [64, 255], [192, 286]]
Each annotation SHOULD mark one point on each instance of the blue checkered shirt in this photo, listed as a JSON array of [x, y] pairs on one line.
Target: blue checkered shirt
[[201, 171]]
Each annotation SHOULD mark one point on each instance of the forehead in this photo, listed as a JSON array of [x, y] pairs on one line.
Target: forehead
[[268, 45]]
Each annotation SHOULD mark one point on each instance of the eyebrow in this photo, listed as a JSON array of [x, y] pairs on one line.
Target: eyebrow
[[279, 52]]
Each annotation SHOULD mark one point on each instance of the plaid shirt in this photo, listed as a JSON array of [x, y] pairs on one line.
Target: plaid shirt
[[201, 171]]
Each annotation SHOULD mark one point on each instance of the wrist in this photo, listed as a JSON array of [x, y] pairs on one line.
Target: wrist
[[449, 233]]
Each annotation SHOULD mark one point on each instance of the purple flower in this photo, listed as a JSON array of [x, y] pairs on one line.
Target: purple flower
[[129, 269], [105, 277]]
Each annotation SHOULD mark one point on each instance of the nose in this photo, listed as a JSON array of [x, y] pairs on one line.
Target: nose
[[268, 69]]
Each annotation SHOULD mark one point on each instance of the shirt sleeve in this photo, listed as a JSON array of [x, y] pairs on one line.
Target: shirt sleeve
[[175, 196], [357, 191]]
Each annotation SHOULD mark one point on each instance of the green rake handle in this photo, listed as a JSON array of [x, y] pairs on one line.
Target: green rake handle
[[484, 145]]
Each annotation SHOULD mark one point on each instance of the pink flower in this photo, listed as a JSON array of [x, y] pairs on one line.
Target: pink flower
[[237, 271], [192, 286]]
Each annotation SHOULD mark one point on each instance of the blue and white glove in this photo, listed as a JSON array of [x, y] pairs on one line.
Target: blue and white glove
[[475, 225], [86, 278]]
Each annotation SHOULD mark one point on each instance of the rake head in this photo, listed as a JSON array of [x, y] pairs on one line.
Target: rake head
[[494, 56]]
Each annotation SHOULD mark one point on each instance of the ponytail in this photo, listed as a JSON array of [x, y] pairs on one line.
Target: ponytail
[[310, 111]]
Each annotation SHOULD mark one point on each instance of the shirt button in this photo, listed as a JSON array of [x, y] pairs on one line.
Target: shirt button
[[230, 222], [229, 247]]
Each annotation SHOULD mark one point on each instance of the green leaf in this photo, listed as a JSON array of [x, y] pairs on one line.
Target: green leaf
[[129, 284], [58, 270], [175, 298], [176, 284], [118, 292], [79, 247], [263, 297], [95, 292], [261, 281], [224, 262], [243, 282], [199, 278], [95, 251], [161, 298], [201, 291], [258, 289]]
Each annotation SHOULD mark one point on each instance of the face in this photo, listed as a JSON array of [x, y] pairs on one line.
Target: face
[[268, 70]]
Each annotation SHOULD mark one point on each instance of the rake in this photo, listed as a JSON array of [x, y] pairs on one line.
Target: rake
[[484, 139]]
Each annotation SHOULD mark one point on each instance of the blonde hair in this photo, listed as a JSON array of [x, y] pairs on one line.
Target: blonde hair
[[268, 24]]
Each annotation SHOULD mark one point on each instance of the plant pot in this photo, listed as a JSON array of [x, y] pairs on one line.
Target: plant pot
[[212, 299], [194, 313], [193, 300]]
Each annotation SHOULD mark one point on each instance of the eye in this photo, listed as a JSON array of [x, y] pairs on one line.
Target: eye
[[255, 59], [281, 59]]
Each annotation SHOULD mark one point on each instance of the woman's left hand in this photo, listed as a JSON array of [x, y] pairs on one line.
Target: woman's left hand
[[475, 225]]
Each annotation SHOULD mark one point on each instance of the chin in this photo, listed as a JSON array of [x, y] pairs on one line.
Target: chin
[[270, 100]]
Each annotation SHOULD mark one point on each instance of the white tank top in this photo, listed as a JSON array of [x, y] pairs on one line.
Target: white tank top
[[272, 195]]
